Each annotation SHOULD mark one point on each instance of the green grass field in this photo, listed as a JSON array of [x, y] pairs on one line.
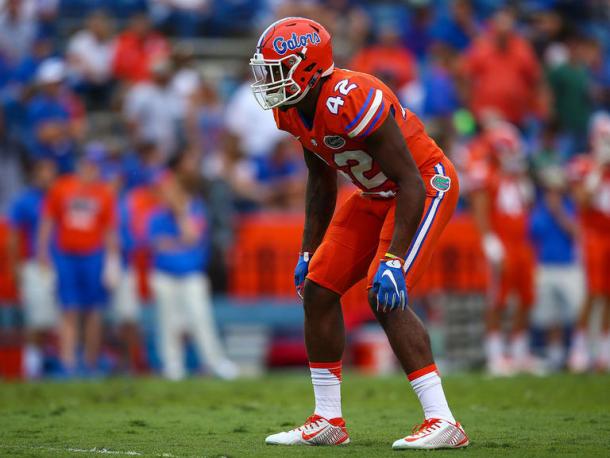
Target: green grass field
[[525, 416]]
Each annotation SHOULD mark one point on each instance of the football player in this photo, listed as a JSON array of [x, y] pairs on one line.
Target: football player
[[351, 123], [501, 195], [591, 175]]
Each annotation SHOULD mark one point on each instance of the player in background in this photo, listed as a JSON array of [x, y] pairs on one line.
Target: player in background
[[501, 195], [178, 233], [591, 178], [135, 209], [351, 123], [559, 281], [79, 212], [36, 285]]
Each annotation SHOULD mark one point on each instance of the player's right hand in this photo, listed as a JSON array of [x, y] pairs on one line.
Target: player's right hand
[[300, 272]]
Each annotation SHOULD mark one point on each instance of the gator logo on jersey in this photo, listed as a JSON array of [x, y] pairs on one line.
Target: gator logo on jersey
[[282, 45], [334, 141], [440, 183]]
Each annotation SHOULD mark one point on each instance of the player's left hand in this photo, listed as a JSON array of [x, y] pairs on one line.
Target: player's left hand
[[300, 272], [389, 285]]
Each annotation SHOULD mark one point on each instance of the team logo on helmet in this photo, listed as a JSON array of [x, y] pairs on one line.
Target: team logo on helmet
[[282, 45], [334, 141], [440, 183]]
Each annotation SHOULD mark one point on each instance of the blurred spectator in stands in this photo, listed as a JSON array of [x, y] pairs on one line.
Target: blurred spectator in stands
[[55, 117], [559, 281], [186, 78], [17, 30], [546, 30], [137, 49], [281, 174], [140, 165], [179, 238], [135, 210], [441, 98], [387, 59], [570, 84], [153, 110], [27, 68], [242, 112], [500, 196], [180, 18], [591, 187], [547, 153], [418, 36], [90, 53], [36, 285], [458, 28], [501, 72], [79, 212], [205, 122]]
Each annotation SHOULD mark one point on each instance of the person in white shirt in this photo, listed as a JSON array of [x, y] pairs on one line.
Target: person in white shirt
[[242, 114], [90, 53], [154, 111]]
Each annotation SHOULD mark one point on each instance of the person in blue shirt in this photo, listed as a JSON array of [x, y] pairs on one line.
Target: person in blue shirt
[[35, 283], [178, 236], [559, 281], [50, 131]]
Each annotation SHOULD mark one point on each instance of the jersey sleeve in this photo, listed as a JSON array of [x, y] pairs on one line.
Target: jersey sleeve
[[365, 107]]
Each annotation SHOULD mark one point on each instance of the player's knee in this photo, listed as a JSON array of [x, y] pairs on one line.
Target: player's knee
[[316, 297]]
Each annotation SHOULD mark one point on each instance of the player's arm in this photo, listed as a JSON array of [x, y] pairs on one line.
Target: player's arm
[[493, 248], [320, 200], [44, 239], [387, 145], [13, 251]]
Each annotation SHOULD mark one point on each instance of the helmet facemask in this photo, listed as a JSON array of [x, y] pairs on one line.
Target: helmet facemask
[[274, 84]]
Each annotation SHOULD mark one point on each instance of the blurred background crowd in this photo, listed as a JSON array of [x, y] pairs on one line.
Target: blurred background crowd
[[145, 197]]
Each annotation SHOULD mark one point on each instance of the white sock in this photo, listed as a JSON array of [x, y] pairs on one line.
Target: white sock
[[32, 361], [428, 387], [520, 346], [326, 380], [494, 346], [604, 348]]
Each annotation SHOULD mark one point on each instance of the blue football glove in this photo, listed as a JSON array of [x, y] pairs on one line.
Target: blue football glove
[[389, 285], [300, 272]]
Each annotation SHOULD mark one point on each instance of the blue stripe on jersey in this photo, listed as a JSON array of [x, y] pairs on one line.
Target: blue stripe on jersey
[[362, 110], [374, 121]]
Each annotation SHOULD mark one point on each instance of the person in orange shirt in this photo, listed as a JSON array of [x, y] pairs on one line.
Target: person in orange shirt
[[79, 212], [501, 72], [500, 196], [387, 58], [591, 177], [136, 49]]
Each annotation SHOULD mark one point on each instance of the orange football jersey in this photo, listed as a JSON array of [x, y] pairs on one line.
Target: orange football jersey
[[596, 216], [351, 106], [510, 195], [82, 212]]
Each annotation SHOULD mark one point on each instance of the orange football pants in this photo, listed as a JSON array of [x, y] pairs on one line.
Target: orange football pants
[[361, 231], [516, 276], [596, 253]]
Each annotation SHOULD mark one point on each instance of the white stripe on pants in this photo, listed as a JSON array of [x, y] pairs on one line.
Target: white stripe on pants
[[184, 305]]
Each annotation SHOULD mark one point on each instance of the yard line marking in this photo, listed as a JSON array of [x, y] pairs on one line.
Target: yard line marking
[[100, 451]]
